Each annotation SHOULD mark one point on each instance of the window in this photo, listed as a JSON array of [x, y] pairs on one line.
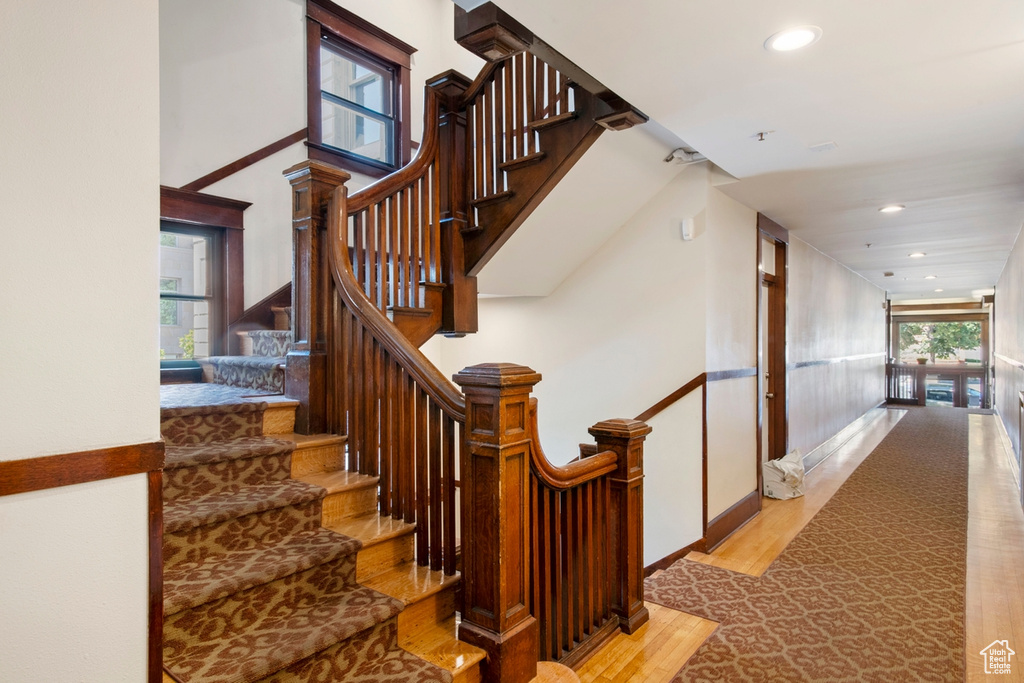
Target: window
[[168, 307], [187, 291], [356, 104], [358, 92]]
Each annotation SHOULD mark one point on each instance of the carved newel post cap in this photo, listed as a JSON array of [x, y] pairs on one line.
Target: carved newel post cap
[[318, 170], [496, 375], [620, 428]]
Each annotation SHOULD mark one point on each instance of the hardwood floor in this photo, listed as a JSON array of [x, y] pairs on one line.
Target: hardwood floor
[[995, 585]]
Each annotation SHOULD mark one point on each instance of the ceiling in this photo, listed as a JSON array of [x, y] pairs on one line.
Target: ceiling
[[924, 100]]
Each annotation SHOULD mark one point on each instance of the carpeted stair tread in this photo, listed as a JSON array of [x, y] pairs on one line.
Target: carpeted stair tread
[[221, 422], [181, 514], [372, 656], [210, 453], [208, 573], [262, 373], [229, 642]]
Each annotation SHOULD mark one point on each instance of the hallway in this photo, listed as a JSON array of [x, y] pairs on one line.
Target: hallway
[[995, 595]]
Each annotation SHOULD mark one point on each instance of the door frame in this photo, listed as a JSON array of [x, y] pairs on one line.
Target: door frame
[[772, 360]]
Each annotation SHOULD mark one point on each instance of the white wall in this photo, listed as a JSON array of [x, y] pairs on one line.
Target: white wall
[[731, 276], [79, 199], [233, 80], [619, 334]]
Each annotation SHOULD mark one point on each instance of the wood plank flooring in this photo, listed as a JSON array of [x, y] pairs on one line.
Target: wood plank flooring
[[995, 572]]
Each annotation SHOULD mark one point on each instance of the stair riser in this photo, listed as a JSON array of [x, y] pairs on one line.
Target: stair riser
[[221, 476], [379, 557], [241, 532], [317, 459], [427, 614], [345, 504], [279, 419], [191, 429]]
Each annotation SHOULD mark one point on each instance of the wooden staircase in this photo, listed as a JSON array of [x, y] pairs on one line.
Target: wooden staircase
[[376, 275], [427, 626]]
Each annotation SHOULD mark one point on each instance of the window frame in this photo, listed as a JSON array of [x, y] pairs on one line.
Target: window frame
[[216, 277], [327, 21]]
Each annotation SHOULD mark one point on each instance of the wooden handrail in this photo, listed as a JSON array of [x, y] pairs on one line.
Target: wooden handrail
[[386, 333], [387, 185], [679, 393], [481, 81], [570, 475]]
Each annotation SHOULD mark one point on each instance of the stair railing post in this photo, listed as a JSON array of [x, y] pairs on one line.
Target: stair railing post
[[626, 438], [459, 308], [312, 183], [495, 473]]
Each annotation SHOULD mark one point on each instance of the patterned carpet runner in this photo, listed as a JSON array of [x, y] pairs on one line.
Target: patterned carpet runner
[[873, 587], [254, 588]]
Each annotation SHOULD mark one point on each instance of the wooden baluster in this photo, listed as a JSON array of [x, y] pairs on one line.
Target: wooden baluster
[[450, 475], [519, 113], [388, 205], [531, 105], [499, 125], [436, 488], [495, 550], [478, 147], [387, 429], [409, 451], [485, 139], [355, 436], [412, 226], [509, 123], [558, 573], [570, 588], [579, 558], [424, 223], [626, 438], [535, 553], [423, 539], [551, 76], [371, 420]]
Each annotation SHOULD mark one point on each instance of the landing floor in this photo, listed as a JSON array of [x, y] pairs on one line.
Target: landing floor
[[995, 554]]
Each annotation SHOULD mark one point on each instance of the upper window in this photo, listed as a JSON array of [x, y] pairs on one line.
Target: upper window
[[358, 92], [357, 107]]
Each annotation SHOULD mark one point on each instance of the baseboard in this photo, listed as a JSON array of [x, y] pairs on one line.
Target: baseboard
[[699, 545], [816, 456], [723, 526]]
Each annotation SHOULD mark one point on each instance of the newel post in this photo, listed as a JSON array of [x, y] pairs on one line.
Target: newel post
[[459, 310], [312, 183], [626, 437], [495, 541]]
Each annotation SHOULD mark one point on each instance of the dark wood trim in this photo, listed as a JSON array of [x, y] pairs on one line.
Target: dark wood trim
[[941, 318], [741, 512], [245, 162], [671, 559], [186, 206], [67, 469], [664, 403], [719, 375], [593, 644], [355, 29], [156, 576], [964, 306], [831, 361], [348, 162], [772, 229], [704, 460]]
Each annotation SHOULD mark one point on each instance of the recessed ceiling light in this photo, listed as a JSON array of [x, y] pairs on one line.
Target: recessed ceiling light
[[917, 254], [892, 208], [929, 277], [939, 289], [792, 39]]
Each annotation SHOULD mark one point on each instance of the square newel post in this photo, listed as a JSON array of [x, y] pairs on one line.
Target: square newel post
[[312, 183], [459, 308], [495, 472], [626, 437]]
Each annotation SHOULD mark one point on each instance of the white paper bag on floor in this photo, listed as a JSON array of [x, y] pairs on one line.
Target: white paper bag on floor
[[784, 478]]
